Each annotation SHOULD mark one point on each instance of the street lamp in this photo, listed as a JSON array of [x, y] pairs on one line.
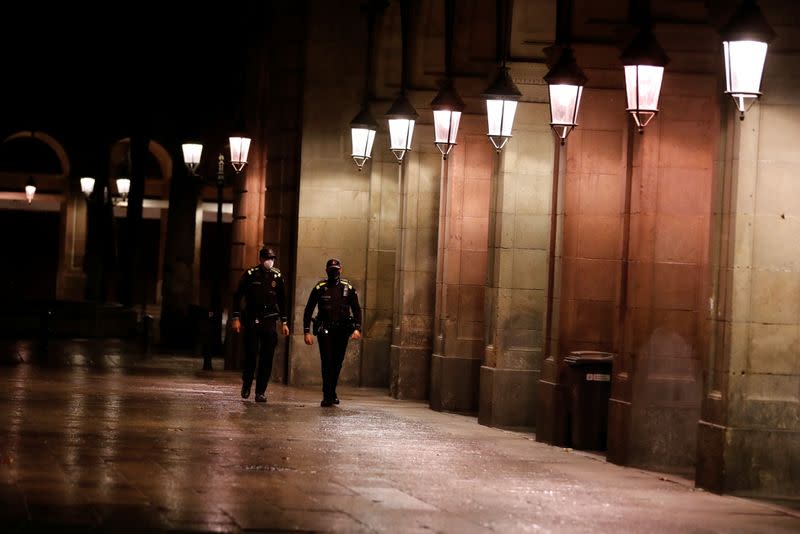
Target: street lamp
[[501, 105], [123, 187], [644, 62], [447, 107], [744, 41], [565, 81], [192, 152], [402, 117], [87, 185], [362, 132], [502, 94], [30, 189]]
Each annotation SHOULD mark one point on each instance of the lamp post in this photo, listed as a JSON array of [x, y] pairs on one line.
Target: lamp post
[[192, 152], [744, 40]]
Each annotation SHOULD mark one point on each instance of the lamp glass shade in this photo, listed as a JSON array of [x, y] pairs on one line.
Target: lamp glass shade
[[744, 65], [123, 186], [240, 148], [565, 101], [401, 131], [191, 155], [30, 190], [445, 125], [87, 185], [643, 87], [362, 144], [500, 114]]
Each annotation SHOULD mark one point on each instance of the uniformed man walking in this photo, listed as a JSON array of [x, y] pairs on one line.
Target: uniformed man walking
[[264, 292], [338, 320]]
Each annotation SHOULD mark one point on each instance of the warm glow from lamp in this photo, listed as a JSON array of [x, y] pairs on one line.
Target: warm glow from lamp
[[87, 185], [123, 186], [565, 82], [191, 155], [240, 148], [30, 189], [643, 87]]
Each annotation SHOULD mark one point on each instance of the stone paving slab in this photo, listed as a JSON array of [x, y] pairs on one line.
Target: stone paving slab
[[155, 444]]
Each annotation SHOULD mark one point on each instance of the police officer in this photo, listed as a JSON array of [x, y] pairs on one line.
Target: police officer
[[334, 325], [264, 292]]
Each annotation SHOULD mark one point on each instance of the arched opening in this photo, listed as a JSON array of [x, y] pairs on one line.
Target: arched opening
[[38, 240]]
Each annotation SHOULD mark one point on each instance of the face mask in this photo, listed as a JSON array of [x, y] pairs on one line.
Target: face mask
[[269, 263], [333, 274]]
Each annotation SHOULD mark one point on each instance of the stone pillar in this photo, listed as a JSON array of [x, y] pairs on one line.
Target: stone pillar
[[657, 378], [585, 310], [517, 278], [749, 433], [71, 278], [416, 276], [458, 344], [284, 123], [181, 262], [334, 197], [378, 296]]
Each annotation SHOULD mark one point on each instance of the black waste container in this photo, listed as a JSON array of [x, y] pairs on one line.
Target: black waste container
[[589, 387]]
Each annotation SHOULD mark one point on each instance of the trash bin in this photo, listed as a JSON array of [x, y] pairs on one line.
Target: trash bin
[[589, 387]]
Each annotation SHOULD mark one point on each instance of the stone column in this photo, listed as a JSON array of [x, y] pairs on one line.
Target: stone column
[[71, 278], [416, 276], [458, 344], [656, 385], [333, 208], [749, 432], [517, 278], [378, 296], [584, 303], [181, 262]]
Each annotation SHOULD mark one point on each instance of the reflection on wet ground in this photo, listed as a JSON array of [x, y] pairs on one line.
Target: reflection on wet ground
[[99, 436]]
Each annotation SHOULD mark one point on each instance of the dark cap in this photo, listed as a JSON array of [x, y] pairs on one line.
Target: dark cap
[[333, 263], [266, 253]]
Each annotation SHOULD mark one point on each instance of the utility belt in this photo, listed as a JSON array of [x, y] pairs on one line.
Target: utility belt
[[322, 326], [265, 316]]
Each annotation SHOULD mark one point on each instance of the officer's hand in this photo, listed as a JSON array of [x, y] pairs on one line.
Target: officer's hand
[[236, 325], [308, 339], [356, 335], [284, 329]]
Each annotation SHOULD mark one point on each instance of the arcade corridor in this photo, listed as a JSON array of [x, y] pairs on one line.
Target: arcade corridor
[[101, 438]]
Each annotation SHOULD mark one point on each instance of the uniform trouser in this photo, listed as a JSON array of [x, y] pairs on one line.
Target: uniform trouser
[[332, 347], [260, 341]]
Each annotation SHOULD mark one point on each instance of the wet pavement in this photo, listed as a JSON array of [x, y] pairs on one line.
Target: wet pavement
[[100, 441]]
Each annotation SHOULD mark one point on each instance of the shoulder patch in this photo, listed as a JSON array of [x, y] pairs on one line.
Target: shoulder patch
[[250, 271], [321, 284], [347, 283], [276, 271]]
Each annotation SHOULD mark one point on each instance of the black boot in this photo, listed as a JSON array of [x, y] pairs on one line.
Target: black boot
[[246, 390], [261, 397]]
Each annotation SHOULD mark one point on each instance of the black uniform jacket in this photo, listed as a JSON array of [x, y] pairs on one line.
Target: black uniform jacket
[[264, 293], [336, 300]]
